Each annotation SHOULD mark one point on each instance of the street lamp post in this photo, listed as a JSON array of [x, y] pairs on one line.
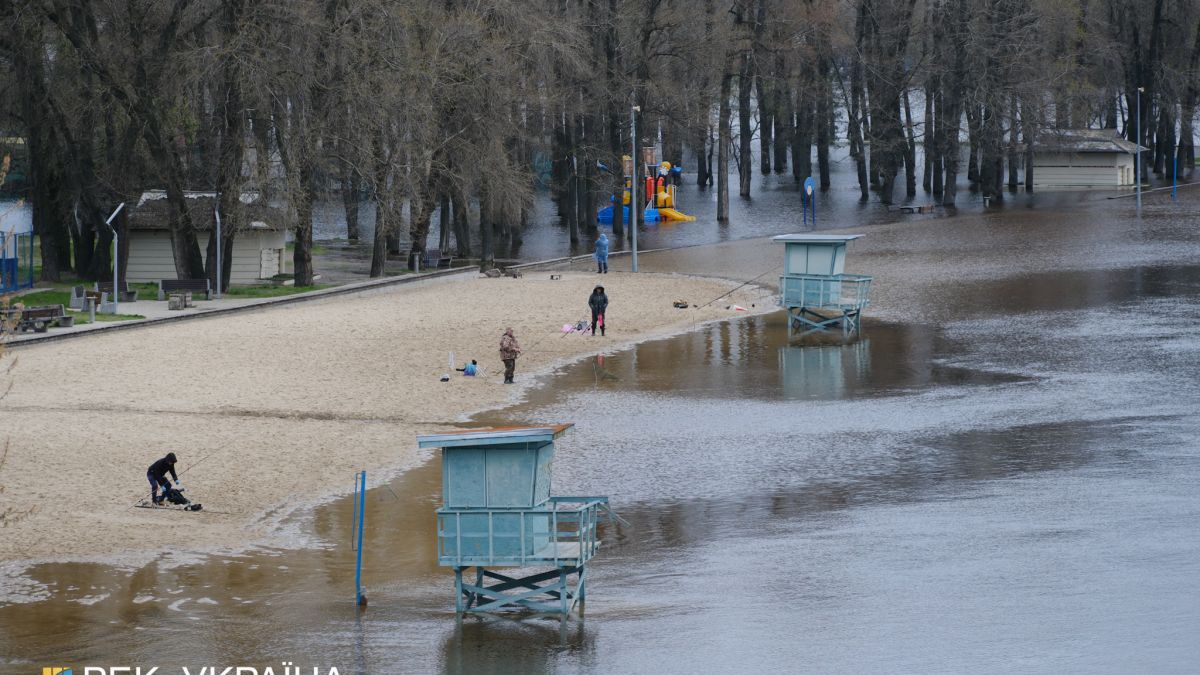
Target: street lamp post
[[1137, 170], [633, 183], [116, 299]]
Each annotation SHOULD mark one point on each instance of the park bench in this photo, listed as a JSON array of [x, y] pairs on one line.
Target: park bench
[[194, 286], [127, 295], [37, 319], [434, 259]]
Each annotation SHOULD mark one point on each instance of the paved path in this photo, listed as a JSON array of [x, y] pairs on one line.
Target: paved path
[[156, 311]]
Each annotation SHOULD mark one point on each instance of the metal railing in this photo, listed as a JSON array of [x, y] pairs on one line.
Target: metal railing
[[522, 536], [841, 291]]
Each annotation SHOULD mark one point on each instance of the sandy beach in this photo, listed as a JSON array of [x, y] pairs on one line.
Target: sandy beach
[[274, 410]]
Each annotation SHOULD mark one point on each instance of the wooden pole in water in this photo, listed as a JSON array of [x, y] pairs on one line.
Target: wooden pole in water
[[361, 502]]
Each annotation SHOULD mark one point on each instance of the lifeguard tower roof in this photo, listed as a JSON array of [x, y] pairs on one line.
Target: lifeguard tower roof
[[493, 435], [814, 238]]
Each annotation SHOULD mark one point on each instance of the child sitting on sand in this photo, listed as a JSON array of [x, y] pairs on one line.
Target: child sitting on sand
[[469, 370]]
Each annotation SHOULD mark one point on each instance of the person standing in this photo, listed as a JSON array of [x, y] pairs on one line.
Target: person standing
[[157, 475], [598, 301], [510, 349], [601, 254]]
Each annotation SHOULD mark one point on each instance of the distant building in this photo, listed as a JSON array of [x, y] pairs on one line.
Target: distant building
[[1081, 159], [257, 249]]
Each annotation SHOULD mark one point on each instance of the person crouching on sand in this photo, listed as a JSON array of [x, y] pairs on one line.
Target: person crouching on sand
[[510, 349], [598, 301], [157, 475]]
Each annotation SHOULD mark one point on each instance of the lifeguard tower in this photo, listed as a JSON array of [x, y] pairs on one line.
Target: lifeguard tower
[[814, 289], [497, 512]]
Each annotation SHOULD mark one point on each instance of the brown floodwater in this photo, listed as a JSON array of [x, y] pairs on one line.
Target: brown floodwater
[[1009, 487]]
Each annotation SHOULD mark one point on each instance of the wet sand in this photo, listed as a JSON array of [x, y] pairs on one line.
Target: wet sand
[[274, 411]]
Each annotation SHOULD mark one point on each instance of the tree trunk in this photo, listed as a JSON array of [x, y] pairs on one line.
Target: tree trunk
[[302, 271], [857, 146], [351, 187], [745, 145], [910, 151], [928, 146], [973, 142], [723, 143], [1013, 157], [782, 117], [823, 111]]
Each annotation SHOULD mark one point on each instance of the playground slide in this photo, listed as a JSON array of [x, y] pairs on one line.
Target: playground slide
[[672, 214]]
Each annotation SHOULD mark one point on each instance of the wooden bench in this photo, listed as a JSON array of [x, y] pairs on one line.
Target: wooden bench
[[195, 286], [433, 259], [126, 294], [37, 319]]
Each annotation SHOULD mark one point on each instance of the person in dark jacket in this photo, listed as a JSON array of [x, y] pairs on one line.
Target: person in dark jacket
[[598, 301], [157, 475]]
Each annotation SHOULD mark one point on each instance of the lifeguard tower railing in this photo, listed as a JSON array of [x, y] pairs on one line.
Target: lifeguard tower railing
[[561, 531], [16, 261], [843, 292]]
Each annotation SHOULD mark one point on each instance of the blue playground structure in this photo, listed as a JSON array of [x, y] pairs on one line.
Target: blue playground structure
[[16, 261], [497, 512]]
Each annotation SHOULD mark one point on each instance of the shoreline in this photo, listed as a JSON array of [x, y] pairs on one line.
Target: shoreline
[[283, 523]]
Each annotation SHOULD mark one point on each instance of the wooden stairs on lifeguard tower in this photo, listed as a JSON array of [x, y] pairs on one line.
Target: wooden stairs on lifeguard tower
[[814, 290], [497, 512]]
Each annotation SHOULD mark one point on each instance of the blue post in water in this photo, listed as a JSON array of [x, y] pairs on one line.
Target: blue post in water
[[361, 506]]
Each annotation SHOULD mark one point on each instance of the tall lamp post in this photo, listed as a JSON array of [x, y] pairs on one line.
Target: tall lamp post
[[116, 299], [633, 183], [1137, 170]]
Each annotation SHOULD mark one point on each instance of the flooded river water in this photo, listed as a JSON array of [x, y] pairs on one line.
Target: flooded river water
[[999, 475]]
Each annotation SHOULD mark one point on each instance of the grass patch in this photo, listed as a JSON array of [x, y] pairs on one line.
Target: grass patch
[[269, 291], [315, 249], [54, 296], [81, 317]]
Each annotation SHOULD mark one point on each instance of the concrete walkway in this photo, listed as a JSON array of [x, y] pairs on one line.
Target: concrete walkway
[[156, 311]]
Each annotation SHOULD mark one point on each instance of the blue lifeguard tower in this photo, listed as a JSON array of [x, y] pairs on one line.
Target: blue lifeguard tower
[[497, 512], [814, 289]]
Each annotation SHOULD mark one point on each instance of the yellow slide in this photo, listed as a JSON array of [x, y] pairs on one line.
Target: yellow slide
[[672, 214]]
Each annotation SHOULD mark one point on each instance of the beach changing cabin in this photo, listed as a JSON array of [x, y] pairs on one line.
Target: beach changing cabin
[[814, 289], [1083, 159], [497, 511], [258, 245]]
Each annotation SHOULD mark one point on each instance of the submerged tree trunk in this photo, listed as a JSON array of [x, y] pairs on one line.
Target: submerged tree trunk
[[910, 151], [745, 145], [723, 144]]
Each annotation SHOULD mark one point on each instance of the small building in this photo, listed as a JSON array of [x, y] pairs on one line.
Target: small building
[[814, 289], [1083, 159], [258, 247], [497, 512]]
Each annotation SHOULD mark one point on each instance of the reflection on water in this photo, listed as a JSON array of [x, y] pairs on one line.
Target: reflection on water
[[969, 496]]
